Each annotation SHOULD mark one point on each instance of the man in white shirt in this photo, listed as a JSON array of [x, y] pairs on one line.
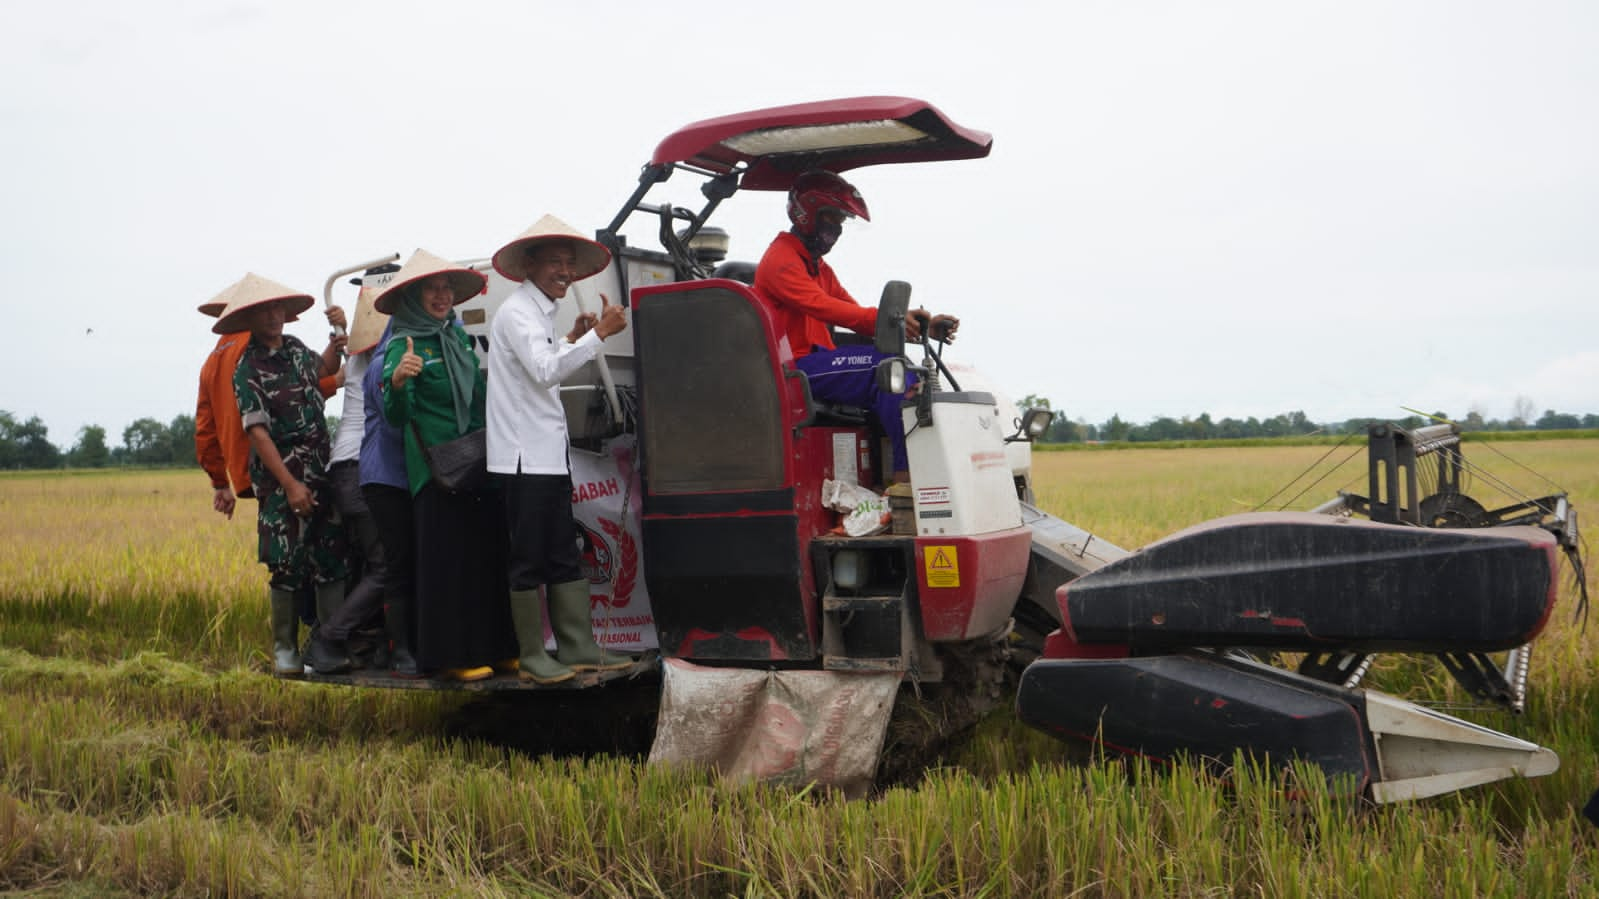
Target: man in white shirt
[[527, 442]]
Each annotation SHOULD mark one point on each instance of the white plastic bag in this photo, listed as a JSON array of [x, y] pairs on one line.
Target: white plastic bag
[[865, 512]]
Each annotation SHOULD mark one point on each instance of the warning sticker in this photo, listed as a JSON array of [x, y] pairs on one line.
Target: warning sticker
[[844, 469], [943, 566]]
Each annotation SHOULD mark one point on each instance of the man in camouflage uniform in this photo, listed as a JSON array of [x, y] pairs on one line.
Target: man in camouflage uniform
[[301, 540]]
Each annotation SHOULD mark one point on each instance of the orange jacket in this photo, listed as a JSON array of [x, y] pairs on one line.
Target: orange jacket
[[220, 443], [807, 303]]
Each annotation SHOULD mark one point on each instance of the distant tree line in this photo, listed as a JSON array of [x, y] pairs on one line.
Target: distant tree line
[[1288, 424], [145, 443]]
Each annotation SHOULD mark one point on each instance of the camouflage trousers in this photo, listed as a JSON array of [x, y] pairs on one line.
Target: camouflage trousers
[[300, 552]]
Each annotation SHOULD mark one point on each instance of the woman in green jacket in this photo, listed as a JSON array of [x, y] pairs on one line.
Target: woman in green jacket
[[433, 392]]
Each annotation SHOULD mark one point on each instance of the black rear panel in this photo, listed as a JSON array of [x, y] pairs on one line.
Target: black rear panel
[[722, 543], [708, 392], [731, 588]]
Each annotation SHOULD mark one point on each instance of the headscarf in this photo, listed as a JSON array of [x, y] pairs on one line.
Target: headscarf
[[460, 363]]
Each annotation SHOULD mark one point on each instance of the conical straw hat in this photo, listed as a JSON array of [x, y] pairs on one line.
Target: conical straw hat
[[219, 302], [253, 290], [421, 265], [369, 322], [511, 259]]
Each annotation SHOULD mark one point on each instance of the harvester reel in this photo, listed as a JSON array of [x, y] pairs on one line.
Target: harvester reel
[[1344, 668], [1453, 510]]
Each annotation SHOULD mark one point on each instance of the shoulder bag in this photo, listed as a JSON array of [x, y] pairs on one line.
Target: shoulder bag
[[459, 464]]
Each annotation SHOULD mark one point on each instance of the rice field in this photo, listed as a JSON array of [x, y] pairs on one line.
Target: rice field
[[143, 751]]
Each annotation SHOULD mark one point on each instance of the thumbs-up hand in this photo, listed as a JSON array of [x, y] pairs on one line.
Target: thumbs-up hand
[[410, 365], [582, 325], [613, 319]]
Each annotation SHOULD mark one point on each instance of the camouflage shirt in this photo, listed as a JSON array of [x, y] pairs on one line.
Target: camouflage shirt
[[278, 388]]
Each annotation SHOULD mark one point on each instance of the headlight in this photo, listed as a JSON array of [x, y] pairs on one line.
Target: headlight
[[891, 375], [848, 570], [1036, 422]]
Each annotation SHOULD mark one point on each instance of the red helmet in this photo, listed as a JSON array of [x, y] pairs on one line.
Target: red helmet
[[817, 190]]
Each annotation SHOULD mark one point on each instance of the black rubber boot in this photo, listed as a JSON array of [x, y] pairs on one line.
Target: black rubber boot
[[373, 652], [329, 597], [403, 664], [327, 656], [397, 623]]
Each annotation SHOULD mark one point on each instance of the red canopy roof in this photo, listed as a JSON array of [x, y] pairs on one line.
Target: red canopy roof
[[777, 144]]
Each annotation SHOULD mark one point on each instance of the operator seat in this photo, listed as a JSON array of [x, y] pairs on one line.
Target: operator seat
[[823, 414], [835, 415], [736, 271]]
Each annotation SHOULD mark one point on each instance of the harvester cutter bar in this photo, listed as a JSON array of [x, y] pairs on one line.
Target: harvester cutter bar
[[1213, 707]]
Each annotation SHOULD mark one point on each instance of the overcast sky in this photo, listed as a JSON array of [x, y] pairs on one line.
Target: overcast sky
[[1234, 208]]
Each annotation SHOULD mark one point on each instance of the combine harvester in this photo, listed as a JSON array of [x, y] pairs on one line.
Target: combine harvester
[[700, 461], [1167, 640]]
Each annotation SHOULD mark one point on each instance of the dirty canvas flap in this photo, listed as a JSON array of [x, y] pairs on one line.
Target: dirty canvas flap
[[795, 727]]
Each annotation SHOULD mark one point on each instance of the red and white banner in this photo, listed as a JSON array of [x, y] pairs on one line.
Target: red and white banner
[[606, 502]]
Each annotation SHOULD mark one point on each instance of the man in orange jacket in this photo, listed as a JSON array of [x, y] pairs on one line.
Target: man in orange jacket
[[220, 442]]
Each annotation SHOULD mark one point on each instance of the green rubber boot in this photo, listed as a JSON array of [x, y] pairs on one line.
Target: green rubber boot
[[527, 614], [574, 630], [285, 635]]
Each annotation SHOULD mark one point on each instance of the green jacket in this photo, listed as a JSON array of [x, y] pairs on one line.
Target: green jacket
[[425, 400]]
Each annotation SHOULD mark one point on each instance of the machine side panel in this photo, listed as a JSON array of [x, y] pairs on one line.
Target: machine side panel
[[963, 477], [968, 585], [1300, 580]]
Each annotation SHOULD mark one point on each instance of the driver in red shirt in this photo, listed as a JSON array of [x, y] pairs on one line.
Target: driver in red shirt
[[809, 298]]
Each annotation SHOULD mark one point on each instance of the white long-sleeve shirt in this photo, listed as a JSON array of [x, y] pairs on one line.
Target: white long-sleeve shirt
[[352, 424], [527, 361]]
